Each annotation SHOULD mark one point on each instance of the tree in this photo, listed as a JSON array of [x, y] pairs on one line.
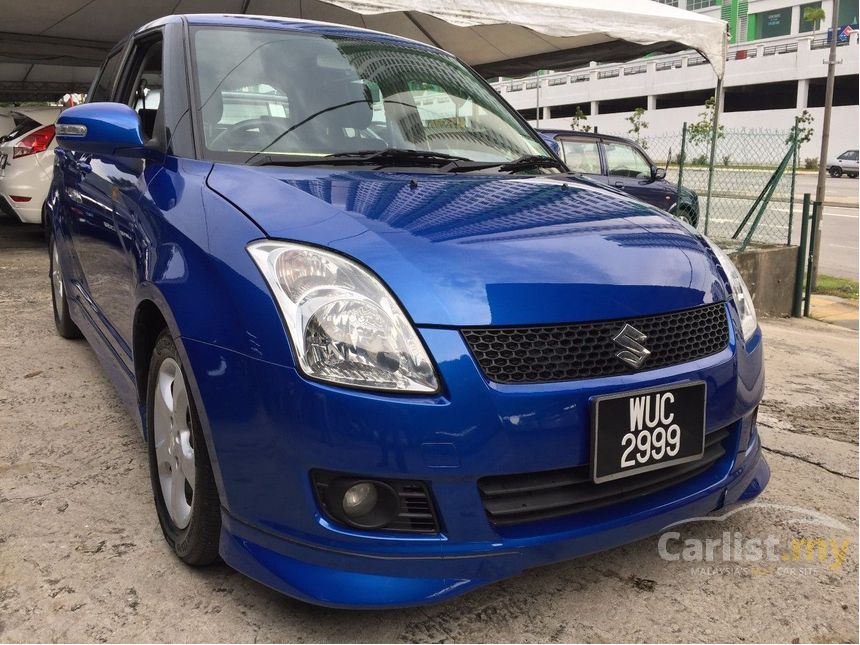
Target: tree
[[700, 132], [803, 125], [578, 123], [814, 15], [638, 125]]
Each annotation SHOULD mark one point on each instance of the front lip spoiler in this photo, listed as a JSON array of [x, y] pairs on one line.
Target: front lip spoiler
[[430, 540]]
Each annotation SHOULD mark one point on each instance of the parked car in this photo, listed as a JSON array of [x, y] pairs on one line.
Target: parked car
[[382, 346], [623, 164], [27, 163], [845, 163], [7, 123]]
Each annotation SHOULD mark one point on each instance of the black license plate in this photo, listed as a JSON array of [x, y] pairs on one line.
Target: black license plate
[[635, 432]]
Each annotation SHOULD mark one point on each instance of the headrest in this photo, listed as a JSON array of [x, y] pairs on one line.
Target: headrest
[[353, 95]]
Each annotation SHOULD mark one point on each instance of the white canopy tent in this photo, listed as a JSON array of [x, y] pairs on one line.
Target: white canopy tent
[[514, 38], [51, 46]]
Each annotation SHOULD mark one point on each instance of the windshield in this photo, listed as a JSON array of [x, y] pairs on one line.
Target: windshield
[[300, 96]]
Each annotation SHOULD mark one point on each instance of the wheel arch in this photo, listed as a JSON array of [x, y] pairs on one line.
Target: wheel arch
[[148, 324], [151, 317]]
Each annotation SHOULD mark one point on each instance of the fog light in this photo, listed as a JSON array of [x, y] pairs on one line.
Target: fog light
[[360, 499], [367, 503]]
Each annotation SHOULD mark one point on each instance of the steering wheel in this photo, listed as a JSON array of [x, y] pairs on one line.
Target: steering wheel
[[245, 128]]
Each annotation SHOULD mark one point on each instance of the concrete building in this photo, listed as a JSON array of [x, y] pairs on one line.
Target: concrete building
[[776, 67]]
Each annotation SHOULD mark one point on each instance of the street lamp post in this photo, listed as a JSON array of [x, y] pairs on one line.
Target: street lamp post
[[818, 205]]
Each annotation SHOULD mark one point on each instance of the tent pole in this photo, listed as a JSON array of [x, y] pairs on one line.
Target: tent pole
[[718, 103]]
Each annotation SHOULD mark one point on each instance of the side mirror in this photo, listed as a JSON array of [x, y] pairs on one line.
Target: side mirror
[[102, 129], [658, 174]]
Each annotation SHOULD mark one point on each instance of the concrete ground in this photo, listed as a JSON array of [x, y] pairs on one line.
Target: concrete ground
[[82, 557]]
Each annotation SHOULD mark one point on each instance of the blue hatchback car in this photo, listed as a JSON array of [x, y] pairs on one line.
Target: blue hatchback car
[[383, 347]]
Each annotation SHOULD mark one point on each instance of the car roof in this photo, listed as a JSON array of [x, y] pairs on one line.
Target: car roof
[[286, 24], [585, 135]]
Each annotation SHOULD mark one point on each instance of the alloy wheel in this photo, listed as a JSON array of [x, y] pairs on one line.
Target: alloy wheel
[[56, 279], [173, 439]]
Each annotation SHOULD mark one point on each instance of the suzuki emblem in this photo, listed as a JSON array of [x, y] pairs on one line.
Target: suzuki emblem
[[633, 352]]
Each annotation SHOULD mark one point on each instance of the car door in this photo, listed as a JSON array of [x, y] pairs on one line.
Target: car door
[[631, 171], [849, 161], [107, 190], [582, 155]]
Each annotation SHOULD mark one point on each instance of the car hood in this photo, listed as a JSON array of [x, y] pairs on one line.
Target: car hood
[[461, 250]]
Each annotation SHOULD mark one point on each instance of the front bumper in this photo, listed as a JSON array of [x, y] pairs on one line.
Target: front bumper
[[359, 580], [268, 428]]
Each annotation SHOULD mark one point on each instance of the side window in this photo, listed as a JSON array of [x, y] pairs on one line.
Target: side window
[[436, 107], [581, 156], [623, 160], [144, 83], [103, 86], [253, 102]]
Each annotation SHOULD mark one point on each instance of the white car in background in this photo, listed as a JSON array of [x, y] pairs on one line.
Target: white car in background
[[846, 163], [7, 123], [27, 163]]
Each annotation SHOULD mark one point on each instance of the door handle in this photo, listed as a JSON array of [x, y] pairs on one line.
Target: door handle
[[619, 184]]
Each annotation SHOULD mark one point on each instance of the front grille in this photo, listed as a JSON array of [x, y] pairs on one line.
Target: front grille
[[586, 350], [517, 499]]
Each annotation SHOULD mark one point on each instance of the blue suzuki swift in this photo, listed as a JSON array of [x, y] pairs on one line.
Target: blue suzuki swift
[[383, 347]]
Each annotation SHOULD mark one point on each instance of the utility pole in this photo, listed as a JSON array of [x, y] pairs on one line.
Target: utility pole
[[818, 205]]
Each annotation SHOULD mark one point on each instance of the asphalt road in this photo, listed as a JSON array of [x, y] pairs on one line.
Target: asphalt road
[[82, 557], [839, 241]]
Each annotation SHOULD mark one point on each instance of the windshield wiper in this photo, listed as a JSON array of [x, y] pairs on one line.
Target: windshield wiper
[[379, 158], [397, 154], [525, 162]]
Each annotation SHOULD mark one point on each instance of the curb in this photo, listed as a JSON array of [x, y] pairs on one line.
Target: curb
[[835, 310]]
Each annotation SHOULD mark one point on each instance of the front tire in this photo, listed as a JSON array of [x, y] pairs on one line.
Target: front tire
[[62, 320], [685, 214], [835, 172], [186, 497]]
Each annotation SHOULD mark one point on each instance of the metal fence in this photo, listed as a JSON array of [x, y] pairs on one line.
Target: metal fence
[[744, 163]]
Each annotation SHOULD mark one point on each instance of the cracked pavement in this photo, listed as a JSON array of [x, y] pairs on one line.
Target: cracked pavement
[[82, 557]]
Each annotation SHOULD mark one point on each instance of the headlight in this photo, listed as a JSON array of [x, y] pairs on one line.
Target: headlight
[[743, 299], [345, 325]]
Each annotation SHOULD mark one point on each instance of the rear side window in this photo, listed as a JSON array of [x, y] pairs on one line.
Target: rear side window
[[23, 124], [582, 156], [102, 89]]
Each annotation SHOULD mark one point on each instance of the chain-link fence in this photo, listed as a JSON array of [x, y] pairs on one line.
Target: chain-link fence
[[744, 162]]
